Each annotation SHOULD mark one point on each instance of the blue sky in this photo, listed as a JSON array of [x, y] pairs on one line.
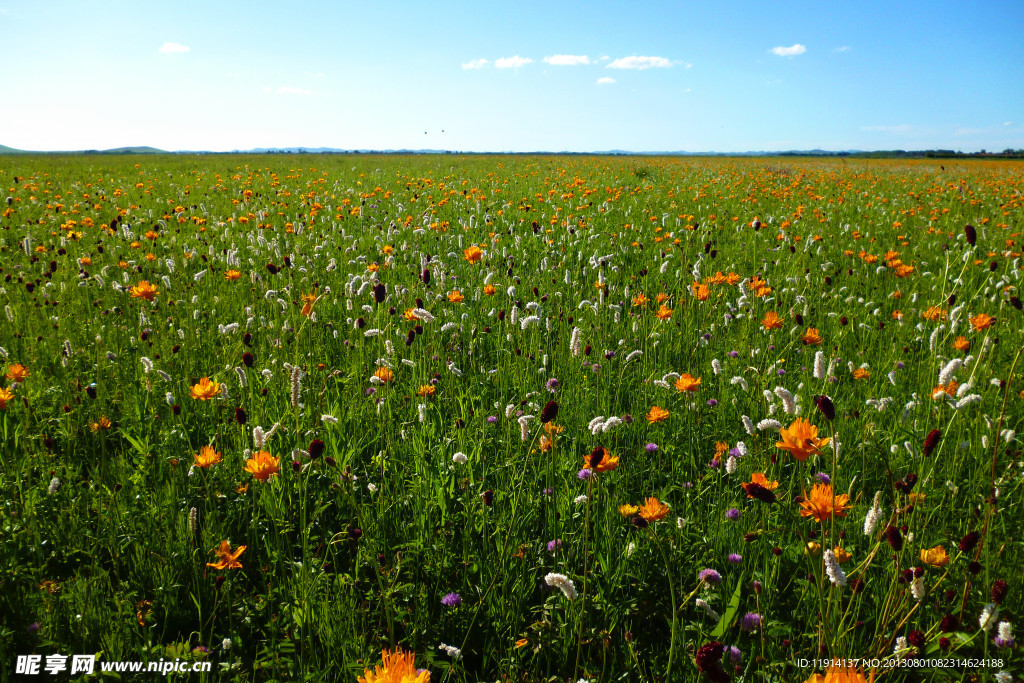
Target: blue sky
[[512, 76]]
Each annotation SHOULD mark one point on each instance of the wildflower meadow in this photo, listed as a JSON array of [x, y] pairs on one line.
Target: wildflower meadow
[[512, 418]]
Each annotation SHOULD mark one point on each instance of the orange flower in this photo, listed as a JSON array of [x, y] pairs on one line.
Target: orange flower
[[226, 559], [490, 290], [661, 298], [232, 274], [410, 315], [384, 374], [455, 296], [207, 457], [771, 321], [144, 290], [205, 390], [664, 313], [861, 373], [801, 439], [426, 390], [657, 415], [836, 674], [600, 460], [762, 481], [473, 254], [640, 300], [961, 344], [263, 465], [935, 557], [822, 504], [5, 396], [103, 423], [396, 667], [942, 391], [701, 292], [811, 337], [653, 510], [934, 313], [982, 321], [687, 382], [17, 373]]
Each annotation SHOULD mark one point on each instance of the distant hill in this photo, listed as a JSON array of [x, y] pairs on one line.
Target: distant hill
[[4, 149]]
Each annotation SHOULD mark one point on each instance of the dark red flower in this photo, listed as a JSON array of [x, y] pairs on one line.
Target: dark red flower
[[240, 416], [379, 293], [709, 661], [999, 590], [930, 442], [949, 624], [916, 638], [892, 534], [316, 448], [549, 413], [968, 542], [824, 404]]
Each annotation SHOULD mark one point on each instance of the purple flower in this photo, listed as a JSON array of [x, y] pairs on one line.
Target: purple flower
[[584, 474], [900, 365], [707, 336], [735, 558], [709, 576], [554, 545], [714, 464], [735, 452], [33, 627], [751, 621], [734, 354], [734, 654], [651, 447], [780, 372], [371, 391], [823, 478], [712, 402], [201, 649], [492, 419], [548, 491], [627, 418], [733, 514], [756, 585], [451, 600], [552, 385]]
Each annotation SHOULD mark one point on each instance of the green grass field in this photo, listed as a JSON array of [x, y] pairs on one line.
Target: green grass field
[[505, 413]]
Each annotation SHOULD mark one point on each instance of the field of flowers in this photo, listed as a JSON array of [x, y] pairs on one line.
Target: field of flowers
[[519, 418]]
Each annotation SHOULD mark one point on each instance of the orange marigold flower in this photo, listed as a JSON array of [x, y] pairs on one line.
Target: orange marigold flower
[[661, 298], [842, 556], [811, 337], [490, 290], [17, 372], [263, 465], [801, 439], [761, 480], [473, 254], [205, 390], [700, 292], [664, 313], [410, 315], [942, 391], [823, 504], [687, 382], [982, 321], [384, 374], [144, 290], [396, 667], [653, 510], [640, 300], [771, 321], [207, 457], [657, 414], [232, 274], [103, 423], [426, 390], [226, 558], [961, 344], [455, 296], [5, 396], [934, 313], [861, 373], [600, 460]]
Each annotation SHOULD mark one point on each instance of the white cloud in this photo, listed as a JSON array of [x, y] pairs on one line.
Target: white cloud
[[475, 64], [635, 62], [284, 89], [567, 60], [791, 51], [1007, 123], [169, 48], [901, 128], [842, 48], [605, 81], [512, 62]]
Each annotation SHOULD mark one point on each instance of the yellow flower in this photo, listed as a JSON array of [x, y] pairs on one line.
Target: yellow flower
[[263, 465], [103, 423], [144, 290], [5, 396], [396, 667], [226, 559], [426, 390], [801, 439], [410, 315], [205, 390], [687, 382], [207, 457], [653, 510], [17, 373], [628, 510], [935, 557], [657, 415], [823, 504], [842, 556], [812, 548], [473, 254]]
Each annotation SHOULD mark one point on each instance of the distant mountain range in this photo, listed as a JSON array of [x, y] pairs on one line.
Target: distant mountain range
[[935, 153]]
